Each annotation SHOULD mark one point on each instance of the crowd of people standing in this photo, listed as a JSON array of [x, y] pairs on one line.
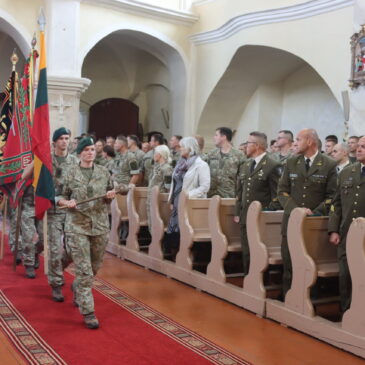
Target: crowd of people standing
[[291, 172]]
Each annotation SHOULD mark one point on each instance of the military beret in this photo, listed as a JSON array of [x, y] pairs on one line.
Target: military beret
[[60, 132], [85, 142]]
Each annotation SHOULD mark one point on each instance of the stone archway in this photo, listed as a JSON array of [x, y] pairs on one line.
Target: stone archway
[[142, 68], [269, 89]]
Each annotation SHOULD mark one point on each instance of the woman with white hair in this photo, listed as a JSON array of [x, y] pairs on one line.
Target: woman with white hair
[[161, 175], [192, 175]]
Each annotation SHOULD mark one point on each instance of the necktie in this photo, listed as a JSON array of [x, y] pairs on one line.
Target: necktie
[[307, 163], [363, 171], [253, 166]]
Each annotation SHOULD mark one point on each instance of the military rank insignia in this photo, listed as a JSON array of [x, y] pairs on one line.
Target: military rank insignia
[[58, 173]]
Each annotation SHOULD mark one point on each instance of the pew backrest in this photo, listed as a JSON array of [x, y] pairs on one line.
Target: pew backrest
[[353, 319], [122, 206], [312, 255], [264, 239]]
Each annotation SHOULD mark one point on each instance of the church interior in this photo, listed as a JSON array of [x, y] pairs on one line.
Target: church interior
[[187, 68]]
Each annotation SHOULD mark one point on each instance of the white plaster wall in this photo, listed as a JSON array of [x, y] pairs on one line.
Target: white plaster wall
[[262, 113], [308, 103]]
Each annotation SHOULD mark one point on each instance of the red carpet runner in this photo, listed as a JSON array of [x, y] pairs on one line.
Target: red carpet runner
[[131, 333]]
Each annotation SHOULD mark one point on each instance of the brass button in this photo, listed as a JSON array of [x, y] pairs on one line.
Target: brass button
[[357, 194], [305, 187], [303, 195], [355, 203], [354, 211]]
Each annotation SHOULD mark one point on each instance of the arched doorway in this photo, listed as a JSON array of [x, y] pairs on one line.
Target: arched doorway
[[269, 89], [110, 117], [138, 67]]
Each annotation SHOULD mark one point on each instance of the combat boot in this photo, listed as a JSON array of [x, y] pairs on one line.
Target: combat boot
[[91, 321], [57, 294], [29, 272]]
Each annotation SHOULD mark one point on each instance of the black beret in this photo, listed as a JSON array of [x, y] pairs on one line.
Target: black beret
[[60, 132], [85, 142]]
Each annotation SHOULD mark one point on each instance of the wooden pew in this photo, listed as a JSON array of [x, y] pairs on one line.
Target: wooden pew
[[264, 239], [312, 257], [137, 215], [160, 215], [353, 319], [194, 227], [225, 235], [119, 214]]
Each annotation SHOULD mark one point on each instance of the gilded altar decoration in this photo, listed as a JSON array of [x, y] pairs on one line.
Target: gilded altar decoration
[[358, 59]]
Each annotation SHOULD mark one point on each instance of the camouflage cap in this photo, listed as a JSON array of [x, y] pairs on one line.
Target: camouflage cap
[[60, 132], [85, 142]]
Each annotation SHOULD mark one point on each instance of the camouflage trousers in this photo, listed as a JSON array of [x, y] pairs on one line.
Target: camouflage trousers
[[58, 258], [87, 254], [12, 214], [32, 235]]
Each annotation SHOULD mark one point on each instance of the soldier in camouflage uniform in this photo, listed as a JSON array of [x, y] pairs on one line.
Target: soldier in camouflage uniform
[[309, 181], [87, 225], [126, 168], [61, 163], [99, 159], [175, 149], [284, 143], [225, 163], [348, 204], [161, 177], [148, 162], [259, 178], [133, 142], [109, 155]]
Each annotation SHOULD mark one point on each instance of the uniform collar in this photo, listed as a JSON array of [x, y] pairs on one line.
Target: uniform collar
[[259, 158]]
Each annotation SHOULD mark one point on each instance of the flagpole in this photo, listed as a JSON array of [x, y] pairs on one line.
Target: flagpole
[[5, 214], [42, 24]]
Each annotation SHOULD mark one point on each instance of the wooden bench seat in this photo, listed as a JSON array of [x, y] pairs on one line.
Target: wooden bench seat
[[137, 215], [264, 239], [194, 227], [225, 236], [312, 256]]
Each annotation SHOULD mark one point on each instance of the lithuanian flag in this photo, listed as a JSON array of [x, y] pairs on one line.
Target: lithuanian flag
[[43, 183]]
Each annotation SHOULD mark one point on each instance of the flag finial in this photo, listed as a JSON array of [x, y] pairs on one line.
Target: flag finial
[[42, 20], [34, 41], [14, 59]]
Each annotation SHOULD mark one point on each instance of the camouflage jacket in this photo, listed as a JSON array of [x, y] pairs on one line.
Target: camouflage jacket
[[147, 166], [161, 177], [139, 154], [224, 172], [60, 171], [175, 156], [89, 218], [100, 160], [125, 166]]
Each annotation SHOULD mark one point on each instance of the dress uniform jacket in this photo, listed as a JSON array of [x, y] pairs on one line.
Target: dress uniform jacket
[[260, 184], [313, 189], [347, 205]]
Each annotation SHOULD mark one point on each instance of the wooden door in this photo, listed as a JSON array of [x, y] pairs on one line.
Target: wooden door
[[110, 117]]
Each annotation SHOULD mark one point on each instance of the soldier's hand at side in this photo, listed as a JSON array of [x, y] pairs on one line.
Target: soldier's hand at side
[[236, 219], [110, 194], [335, 238], [308, 211]]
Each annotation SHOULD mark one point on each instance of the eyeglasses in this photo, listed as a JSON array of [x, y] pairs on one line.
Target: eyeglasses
[[247, 142]]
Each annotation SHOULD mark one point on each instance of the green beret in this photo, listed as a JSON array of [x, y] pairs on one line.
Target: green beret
[[85, 142], [60, 132]]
